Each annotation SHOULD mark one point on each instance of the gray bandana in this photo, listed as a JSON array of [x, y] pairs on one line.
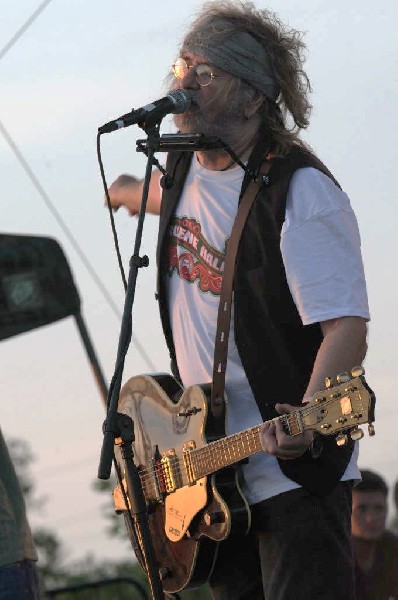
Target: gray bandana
[[239, 54]]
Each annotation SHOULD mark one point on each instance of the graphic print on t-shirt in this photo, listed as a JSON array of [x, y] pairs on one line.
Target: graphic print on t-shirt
[[192, 257]]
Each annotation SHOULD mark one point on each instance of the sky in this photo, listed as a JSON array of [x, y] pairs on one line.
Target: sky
[[80, 65]]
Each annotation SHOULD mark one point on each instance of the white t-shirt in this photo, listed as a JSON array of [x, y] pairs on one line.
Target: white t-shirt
[[321, 251]]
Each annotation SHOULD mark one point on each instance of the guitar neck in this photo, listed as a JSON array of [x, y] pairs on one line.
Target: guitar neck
[[338, 409], [234, 448]]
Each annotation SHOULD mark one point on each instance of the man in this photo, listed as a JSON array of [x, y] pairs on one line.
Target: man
[[394, 521], [18, 575], [375, 548], [299, 303]]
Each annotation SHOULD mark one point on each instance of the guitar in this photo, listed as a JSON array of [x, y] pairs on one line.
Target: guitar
[[187, 465]]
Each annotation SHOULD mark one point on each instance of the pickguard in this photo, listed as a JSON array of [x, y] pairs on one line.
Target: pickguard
[[181, 507]]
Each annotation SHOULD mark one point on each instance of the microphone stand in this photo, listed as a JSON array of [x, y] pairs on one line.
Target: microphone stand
[[118, 425]]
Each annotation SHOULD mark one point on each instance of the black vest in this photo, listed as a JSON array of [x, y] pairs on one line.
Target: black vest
[[276, 350]]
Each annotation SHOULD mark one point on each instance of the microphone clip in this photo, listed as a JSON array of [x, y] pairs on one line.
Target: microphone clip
[[183, 142]]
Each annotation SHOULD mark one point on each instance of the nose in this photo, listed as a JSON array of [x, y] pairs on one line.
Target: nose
[[372, 516], [189, 80]]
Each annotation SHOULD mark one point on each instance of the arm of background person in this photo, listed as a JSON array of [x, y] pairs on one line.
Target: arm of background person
[[126, 191]]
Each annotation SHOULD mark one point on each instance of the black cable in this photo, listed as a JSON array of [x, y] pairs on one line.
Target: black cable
[[36, 183], [45, 197], [69, 235], [109, 205]]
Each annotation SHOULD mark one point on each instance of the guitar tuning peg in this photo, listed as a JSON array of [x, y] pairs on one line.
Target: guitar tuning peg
[[341, 439], [356, 434], [371, 429], [357, 371], [343, 377], [328, 382]]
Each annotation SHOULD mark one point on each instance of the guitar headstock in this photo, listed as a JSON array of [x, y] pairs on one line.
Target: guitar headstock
[[342, 407]]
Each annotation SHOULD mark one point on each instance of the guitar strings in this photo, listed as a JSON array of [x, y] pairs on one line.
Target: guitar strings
[[199, 460], [201, 455]]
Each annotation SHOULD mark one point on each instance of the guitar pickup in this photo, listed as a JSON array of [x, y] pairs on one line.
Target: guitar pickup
[[189, 466], [171, 471]]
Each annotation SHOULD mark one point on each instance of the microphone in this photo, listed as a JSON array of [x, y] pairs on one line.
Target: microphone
[[178, 101]]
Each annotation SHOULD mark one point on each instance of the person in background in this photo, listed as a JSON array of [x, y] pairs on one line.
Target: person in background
[[375, 548], [394, 520], [18, 556], [299, 305]]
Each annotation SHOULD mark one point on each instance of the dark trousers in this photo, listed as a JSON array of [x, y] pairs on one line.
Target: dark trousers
[[18, 581], [299, 548]]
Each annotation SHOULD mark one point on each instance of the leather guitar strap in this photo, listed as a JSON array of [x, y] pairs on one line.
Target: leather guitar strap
[[224, 308]]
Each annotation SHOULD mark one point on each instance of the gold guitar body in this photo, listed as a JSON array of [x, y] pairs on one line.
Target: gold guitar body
[[188, 466], [188, 517]]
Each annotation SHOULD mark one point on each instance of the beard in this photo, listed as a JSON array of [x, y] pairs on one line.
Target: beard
[[221, 118]]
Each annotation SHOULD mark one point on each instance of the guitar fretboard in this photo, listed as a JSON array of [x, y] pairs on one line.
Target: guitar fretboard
[[339, 409], [234, 448]]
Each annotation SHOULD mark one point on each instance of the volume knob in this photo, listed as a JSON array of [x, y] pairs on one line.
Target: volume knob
[[164, 572], [210, 518]]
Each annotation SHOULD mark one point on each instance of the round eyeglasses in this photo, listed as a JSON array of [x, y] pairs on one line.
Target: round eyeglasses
[[203, 73]]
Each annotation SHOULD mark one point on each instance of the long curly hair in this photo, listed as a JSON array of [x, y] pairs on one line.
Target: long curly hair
[[285, 48]]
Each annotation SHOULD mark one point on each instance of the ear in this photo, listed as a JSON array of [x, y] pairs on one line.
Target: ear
[[256, 101]]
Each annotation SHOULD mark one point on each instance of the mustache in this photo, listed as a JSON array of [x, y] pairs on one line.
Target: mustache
[[204, 105], [197, 101], [220, 115]]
